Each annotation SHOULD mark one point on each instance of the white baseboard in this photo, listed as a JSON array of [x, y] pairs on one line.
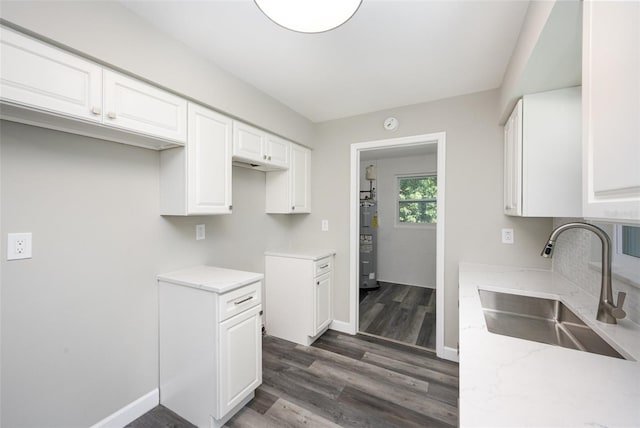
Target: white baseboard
[[131, 411], [342, 327], [450, 354]]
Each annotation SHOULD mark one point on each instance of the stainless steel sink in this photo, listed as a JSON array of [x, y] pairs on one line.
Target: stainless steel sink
[[540, 320]]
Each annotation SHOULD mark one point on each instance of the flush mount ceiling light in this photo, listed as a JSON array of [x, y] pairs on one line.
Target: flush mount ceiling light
[[309, 16]]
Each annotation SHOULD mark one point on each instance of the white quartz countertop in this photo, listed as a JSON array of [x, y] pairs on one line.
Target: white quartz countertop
[[307, 253], [211, 278], [511, 382]]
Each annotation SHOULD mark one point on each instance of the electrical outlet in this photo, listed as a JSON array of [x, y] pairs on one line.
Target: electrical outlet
[[507, 236], [200, 232], [19, 246], [325, 225]]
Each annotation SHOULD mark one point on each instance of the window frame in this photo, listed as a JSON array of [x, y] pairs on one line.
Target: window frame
[[620, 259], [397, 222]]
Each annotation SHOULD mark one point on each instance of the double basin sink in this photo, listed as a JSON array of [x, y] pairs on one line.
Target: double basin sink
[[540, 320]]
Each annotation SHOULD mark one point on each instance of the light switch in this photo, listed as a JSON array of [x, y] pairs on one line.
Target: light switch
[[507, 236], [200, 232], [325, 225]]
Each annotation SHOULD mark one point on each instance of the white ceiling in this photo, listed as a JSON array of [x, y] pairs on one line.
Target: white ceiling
[[391, 53]]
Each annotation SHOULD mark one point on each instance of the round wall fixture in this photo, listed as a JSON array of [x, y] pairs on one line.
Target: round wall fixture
[[309, 16], [391, 124]]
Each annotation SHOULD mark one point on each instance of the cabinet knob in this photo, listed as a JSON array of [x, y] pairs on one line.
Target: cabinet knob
[[317, 282], [269, 157], [111, 115], [230, 207], [293, 208], [96, 111], [264, 157]]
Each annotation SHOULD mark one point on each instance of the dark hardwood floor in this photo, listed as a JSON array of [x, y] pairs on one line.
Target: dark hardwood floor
[[343, 381], [400, 312]]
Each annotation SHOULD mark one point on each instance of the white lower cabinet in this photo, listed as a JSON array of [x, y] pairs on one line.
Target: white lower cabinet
[[196, 179], [210, 342], [298, 304]]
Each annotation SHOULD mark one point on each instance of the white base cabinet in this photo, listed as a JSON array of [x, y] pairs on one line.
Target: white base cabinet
[[196, 179], [298, 294], [210, 342], [542, 156], [611, 110]]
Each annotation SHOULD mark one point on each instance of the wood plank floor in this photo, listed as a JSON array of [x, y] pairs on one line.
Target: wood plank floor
[[400, 312], [343, 381]]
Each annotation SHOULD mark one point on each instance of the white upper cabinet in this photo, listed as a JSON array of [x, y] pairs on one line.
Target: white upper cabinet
[[543, 160], [45, 86], [40, 76], [611, 111], [289, 191], [140, 107], [196, 179], [261, 150]]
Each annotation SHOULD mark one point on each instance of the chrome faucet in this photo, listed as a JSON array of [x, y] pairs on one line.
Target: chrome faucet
[[607, 311]]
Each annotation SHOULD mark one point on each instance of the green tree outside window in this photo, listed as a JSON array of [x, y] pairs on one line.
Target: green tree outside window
[[417, 200]]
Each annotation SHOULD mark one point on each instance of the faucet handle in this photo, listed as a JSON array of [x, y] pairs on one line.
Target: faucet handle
[[617, 311]]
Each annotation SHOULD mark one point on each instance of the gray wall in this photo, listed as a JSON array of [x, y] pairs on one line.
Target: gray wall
[[79, 320], [406, 254], [474, 195]]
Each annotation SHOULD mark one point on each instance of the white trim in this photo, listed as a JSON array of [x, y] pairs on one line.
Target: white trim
[[450, 354], [342, 327], [438, 138], [131, 411]]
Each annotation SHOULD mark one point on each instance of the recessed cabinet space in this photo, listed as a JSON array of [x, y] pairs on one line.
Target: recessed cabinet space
[[46, 86], [289, 191], [259, 149], [542, 155], [611, 111], [196, 179], [298, 294]]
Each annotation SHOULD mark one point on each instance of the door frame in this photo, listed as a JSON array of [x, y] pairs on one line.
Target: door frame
[[438, 138]]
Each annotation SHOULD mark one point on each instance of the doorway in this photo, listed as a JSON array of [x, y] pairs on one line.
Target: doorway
[[419, 299]]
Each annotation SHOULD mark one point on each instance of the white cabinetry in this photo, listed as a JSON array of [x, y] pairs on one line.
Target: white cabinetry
[[40, 76], [258, 148], [210, 342], [289, 191], [45, 86], [542, 156], [611, 111], [137, 106], [196, 179], [298, 294]]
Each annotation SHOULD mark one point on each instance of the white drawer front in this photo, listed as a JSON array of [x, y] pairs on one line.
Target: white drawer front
[[323, 266], [239, 300]]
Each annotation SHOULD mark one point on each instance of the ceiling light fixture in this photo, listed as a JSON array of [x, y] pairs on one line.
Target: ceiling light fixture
[[309, 16]]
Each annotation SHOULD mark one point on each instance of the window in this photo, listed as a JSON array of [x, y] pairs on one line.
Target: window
[[626, 255], [417, 199]]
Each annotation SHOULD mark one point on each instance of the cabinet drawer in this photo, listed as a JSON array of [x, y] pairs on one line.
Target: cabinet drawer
[[323, 266], [239, 300]]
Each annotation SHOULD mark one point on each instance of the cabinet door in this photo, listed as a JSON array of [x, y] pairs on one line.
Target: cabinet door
[[248, 143], [208, 162], [300, 179], [513, 162], [277, 151], [240, 351], [40, 76], [611, 110], [322, 303], [136, 106]]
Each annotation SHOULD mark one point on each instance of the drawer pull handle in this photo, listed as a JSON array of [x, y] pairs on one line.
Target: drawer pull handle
[[324, 266], [243, 300]]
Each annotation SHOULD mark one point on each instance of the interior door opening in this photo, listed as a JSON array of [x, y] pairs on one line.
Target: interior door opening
[[397, 240]]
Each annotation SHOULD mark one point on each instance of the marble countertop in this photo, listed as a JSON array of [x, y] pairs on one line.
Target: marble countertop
[[211, 278], [511, 382], [305, 253]]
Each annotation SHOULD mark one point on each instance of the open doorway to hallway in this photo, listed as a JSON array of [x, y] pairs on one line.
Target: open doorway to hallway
[[397, 242]]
